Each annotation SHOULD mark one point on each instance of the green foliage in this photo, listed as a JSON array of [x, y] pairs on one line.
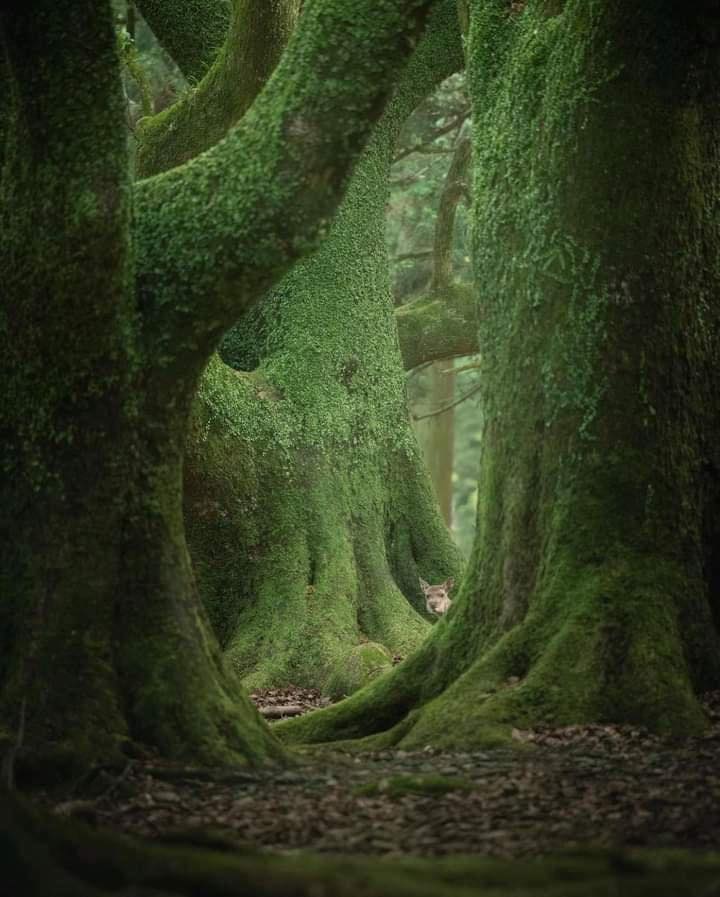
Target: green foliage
[[415, 186], [423, 155], [129, 56], [151, 80]]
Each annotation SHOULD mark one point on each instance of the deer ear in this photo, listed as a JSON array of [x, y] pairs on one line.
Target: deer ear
[[449, 583], [424, 585]]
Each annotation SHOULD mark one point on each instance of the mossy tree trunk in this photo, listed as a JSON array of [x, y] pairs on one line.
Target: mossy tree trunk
[[106, 322], [592, 593], [309, 513]]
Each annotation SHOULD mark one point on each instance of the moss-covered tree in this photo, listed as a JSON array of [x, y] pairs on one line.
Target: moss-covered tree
[[308, 511], [592, 592], [113, 299]]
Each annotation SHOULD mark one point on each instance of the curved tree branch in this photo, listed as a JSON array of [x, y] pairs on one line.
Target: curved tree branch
[[191, 31], [259, 31], [454, 189], [460, 399], [213, 235]]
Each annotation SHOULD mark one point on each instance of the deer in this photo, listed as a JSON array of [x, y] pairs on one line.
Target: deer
[[437, 600]]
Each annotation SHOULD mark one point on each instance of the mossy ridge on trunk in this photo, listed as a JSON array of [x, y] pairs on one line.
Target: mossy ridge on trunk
[[591, 593], [313, 543]]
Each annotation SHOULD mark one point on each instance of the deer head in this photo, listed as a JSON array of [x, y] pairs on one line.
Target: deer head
[[437, 600]]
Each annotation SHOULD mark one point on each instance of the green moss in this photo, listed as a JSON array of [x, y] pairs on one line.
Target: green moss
[[591, 578], [361, 665], [308, 510], [101, 633], [436, 327], [191, 31], [65, 314], [256, 37], [283, 170], [399, 786]]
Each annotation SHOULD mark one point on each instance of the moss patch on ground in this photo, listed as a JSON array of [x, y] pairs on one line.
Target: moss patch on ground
[[399, 786]]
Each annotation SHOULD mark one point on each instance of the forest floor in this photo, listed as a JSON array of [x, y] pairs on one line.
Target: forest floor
[[576, 787]]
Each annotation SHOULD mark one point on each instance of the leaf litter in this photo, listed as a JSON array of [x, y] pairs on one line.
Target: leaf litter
[[575, 787]]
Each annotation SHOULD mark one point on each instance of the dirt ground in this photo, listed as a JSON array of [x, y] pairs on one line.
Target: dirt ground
[[584, 786]]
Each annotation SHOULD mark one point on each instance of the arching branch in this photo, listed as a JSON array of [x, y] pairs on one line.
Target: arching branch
[[191, 31], [258, 33], [212, 235]]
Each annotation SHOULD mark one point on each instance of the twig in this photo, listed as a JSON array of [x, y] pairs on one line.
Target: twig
[[409, 256], [409, 179], [439, 132], [468, 394], [416, 370], [475, 366]]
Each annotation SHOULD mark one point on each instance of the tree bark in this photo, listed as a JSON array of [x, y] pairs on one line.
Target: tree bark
[[437, 435], [592, 579], [257, 35], [438, 325], [191, 32], [309, 512], [102, 636]]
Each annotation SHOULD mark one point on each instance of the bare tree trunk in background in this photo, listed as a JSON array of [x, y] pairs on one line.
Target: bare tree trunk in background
[[437, 436]]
